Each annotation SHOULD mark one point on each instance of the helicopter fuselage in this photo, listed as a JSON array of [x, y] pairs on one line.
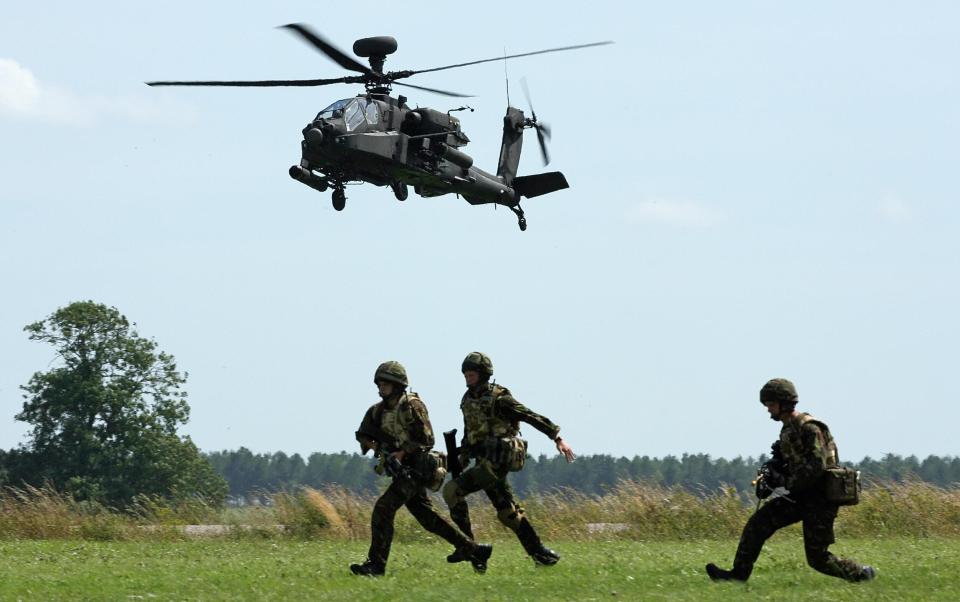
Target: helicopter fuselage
[[376, 138]]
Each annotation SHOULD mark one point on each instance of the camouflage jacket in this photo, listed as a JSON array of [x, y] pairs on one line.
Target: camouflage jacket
[[503, 413], [405, 426], [808, 449]]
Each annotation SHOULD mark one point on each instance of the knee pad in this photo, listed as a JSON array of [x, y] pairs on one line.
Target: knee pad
[[452, 494], [511, 516]]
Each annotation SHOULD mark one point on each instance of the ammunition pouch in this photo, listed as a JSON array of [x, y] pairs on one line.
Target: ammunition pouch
[[504, 452], [841, 485], [431, 467]]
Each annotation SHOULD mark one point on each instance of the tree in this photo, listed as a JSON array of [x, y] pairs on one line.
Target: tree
[[104, 421]]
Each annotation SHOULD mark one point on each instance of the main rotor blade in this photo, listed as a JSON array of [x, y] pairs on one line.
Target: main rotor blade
[[501, 58], [267, 83], [435, 91], [335, 54]]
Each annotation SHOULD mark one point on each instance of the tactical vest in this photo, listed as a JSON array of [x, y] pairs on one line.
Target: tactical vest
[[480, 418], [790, 440], [395, 423]]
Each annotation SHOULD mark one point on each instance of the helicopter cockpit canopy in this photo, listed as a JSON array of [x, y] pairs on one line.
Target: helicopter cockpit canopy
[[334, 110], [354, 112]]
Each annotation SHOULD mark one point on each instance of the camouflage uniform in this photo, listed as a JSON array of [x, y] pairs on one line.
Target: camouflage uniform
[[402, 423], [492, 420], [808, 449]]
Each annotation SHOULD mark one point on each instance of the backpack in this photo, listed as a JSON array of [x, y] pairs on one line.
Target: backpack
[[841, 484]]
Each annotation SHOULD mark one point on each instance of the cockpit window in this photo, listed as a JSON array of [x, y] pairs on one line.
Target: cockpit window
[[334, 109], [353, 114], [373, 113]]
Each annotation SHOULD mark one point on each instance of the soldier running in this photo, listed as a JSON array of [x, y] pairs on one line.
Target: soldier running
[[491, 437], [808, 451], [398, 430]]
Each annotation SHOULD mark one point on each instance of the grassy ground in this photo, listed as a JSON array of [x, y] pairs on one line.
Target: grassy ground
[[279, 569]]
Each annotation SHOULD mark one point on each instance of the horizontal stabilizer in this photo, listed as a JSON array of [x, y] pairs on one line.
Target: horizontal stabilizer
[[541, 183]]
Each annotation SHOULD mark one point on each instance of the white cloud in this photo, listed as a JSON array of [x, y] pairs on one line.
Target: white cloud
[[895, 210], [23, 96], [673, 212], [18, 87]]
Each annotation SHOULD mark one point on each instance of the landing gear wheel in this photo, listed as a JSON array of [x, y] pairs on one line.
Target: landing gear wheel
[[521, 220], [399, 190], [339, 199]]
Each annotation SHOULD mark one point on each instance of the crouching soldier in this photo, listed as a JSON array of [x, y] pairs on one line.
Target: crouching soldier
[[491, 437], [816, 486], [398, 430]]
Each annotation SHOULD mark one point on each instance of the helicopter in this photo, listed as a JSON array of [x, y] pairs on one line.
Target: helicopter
[[377, 138]]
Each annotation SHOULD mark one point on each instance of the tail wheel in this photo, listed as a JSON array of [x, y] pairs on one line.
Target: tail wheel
[[339, 199]]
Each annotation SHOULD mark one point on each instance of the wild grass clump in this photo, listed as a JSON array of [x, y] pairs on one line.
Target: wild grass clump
[[44, 513], [630, 511], [912, 508], [308, 513], [639, 511], [160, 511]]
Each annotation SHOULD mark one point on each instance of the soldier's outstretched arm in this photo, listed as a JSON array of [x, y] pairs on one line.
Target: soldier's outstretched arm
[[565, 449], [511, 409]]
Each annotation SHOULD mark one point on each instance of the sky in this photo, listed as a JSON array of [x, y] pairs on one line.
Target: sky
[[758, 190]]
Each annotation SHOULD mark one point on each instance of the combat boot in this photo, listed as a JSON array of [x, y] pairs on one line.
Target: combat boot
[[718, 574], [867, 573], [531, 543], [545, 556], [368, 569], [481, 554], [458, 556]]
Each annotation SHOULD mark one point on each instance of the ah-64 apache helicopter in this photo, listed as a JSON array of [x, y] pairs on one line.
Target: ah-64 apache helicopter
[[377, 138]]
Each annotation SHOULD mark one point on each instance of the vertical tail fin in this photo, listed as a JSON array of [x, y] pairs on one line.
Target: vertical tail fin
[[511, 146]]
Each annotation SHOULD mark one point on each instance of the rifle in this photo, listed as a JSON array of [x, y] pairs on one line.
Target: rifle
[[453, 453], [395, 469], [771, 475]]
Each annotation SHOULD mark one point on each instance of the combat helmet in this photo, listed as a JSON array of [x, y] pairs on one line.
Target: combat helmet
[[477, 362], [779, 389], [392, 372]]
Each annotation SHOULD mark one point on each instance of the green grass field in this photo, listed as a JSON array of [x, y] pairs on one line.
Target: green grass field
[[280, 569]]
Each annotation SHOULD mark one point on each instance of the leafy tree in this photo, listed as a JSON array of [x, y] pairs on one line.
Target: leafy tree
[[104, 421]]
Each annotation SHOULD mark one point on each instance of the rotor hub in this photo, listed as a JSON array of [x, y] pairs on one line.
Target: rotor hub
[[375, 49]]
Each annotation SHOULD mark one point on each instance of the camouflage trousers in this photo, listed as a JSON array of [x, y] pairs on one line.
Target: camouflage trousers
[[492, 480], [413, 495], [817, 518]]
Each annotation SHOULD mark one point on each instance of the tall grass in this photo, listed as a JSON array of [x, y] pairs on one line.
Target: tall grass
[[630, 511]]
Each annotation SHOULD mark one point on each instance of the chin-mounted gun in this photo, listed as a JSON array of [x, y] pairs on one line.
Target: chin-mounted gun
[[771, 474]]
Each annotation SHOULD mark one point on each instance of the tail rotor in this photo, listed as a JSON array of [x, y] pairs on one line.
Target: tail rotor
[[543, 130]]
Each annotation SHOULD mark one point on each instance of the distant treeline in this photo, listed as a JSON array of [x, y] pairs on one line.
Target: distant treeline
[[246, 472]]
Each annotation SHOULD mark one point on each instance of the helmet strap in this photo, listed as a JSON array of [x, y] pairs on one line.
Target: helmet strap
[[786, 409]]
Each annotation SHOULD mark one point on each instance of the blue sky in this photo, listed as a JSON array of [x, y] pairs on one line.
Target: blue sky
[[757, 190]]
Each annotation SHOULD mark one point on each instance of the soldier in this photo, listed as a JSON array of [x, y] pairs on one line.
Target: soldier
[[491, 436], [808, 449], [398, 430]]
